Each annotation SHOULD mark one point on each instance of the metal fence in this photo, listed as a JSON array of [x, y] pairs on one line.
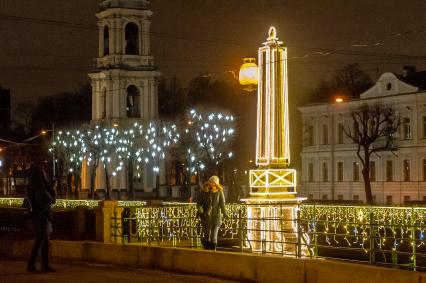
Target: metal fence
[[389, 236]]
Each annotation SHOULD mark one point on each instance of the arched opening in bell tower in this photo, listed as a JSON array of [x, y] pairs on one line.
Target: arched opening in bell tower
[[106, 40], [132, 39], [103, 103], [133, 98]]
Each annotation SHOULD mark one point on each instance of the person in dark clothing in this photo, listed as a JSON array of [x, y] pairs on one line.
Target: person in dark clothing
[[210, 205], [41, 195]]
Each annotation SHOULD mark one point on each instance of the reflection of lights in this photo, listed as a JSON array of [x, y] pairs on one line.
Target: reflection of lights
[[339, 100], [1, 163]]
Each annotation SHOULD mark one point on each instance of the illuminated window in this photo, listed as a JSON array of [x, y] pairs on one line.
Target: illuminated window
[[132, 39], [372, 171], [310, 172], [106, 40], [389, 171], [325, 134], [406, 127], [325, 172], [340, 171], [133, 99], [355, 171], [406, 170], [340, 133]]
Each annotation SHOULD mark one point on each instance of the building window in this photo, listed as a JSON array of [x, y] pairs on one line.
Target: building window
[[133, 99], [372, 171], [406, 199], [339, 197], [340, 171], [388, 199], [325, 172], [325, 134], [310, 172], [310, 135], [355, 171], [325, 197], [106, 40], [356, 197], [424, 170], [424, 198], [356, 130], [374, 198], [407, 169], [340, 133], [389, 171], [406, 127], [310, 196], [424, 127], [132, 39]]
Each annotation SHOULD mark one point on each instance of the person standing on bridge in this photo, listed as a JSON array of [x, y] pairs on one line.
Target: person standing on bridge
[[41, 195], [210, 205]]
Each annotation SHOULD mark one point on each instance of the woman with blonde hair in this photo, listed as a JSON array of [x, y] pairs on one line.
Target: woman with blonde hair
[[210, 206]]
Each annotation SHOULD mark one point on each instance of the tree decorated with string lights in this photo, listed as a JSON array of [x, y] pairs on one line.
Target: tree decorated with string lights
[[144, 144], [101, 145], [70, 150], [131, 153], [206, 142], [159, 136]]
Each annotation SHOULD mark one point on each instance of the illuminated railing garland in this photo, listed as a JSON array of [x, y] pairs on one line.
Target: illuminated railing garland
[[391, 236], [69, 203]]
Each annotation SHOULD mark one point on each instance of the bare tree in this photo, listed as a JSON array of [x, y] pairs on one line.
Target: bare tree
[[372, 131]]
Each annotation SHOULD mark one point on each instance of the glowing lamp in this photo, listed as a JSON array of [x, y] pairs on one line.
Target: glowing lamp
[[248, 74]]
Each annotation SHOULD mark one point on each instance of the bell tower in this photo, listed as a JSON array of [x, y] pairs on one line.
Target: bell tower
[[124, 79], [124, 82]]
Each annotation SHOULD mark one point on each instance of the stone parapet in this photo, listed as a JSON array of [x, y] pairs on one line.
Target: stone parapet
[[238, 266]]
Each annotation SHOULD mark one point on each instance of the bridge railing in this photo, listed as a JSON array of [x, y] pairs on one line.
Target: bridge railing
[[388, 236]]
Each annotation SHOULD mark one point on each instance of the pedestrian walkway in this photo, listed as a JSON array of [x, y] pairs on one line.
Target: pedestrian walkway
[[83, 272]]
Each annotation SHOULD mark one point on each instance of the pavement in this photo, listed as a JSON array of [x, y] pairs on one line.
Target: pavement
[[82, 272]]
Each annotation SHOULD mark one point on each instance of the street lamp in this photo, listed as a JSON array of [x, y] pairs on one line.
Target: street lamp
[[248, 76]]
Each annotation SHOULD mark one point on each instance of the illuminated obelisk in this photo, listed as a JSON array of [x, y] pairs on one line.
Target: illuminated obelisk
[[273, 203]]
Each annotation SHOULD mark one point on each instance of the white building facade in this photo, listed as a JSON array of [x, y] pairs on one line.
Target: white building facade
[[331, 169], [125, 79]]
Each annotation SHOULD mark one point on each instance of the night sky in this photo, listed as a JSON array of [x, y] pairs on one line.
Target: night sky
[[190, 37]]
